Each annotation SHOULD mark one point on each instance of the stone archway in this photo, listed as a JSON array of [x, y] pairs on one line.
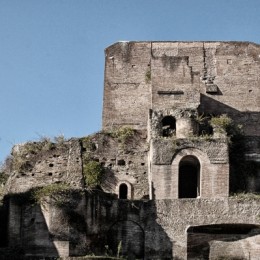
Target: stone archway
[[189, 177], [128, 238]]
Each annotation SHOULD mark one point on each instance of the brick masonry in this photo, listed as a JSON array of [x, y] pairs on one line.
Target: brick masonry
[[146, 85]]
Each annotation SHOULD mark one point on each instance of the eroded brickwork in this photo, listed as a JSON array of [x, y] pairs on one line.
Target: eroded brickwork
[[164, 191], [159, 229], [223, 77]]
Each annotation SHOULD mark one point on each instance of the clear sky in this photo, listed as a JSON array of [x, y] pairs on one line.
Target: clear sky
[[52, 54]]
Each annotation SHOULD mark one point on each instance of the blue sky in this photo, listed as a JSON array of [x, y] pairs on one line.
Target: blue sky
[[52, 54]]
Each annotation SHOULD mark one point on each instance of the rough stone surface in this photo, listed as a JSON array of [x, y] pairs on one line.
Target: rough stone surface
[[39, 164], [168, 171], [142, 69], [159, 227]]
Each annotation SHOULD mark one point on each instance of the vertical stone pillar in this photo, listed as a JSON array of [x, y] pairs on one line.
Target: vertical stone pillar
[[186, 127]]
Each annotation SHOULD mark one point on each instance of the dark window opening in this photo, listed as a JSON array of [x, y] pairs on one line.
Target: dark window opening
[[123, 191], [189, 177], [121, 162], [168, 126]]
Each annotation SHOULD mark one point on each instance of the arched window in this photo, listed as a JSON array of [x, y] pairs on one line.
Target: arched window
[[169, 126], [123, 191], [189, 177]]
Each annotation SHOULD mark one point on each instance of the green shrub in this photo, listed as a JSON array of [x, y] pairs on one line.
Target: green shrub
[[227, 124], [93, 173], [88, 143], [222, 121], [3, 178], [148, 76], [46, 191], [123, 134]]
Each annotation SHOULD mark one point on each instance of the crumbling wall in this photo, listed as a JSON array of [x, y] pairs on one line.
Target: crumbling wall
[[223, 77], [35, 164], [124, 158], [52, 227], [127, 85], [122, 155], [159, 227]]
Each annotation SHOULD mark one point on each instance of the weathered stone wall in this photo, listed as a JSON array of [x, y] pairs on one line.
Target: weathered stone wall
[[148, 81], [39, 164], [175, 71], [127, 85], [158, 229], [53, 228], [223, 77], [124, 161]]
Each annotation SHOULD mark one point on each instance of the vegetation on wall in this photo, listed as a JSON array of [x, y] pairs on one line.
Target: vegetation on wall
[[88, 144], [123, 134], [222, 121], [3, 180], [93, 173], [57, 189], [59, 192], [23, 156], [241, 170], [148, 76]]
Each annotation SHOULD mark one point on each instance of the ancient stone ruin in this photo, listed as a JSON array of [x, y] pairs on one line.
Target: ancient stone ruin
[[174, 173]]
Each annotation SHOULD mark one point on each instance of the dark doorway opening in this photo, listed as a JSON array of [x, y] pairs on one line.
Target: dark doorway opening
[[168, 126], [189, 177], [201, 240], [123, 190]]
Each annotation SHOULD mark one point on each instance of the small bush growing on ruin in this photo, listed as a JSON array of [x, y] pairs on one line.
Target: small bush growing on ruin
[[49, 190], [227, 124], [88, 144], [61, 194], [93, 173], [60, 139], [201, 119], [148, 76], [123, 134], [3, 178], [222, 121]]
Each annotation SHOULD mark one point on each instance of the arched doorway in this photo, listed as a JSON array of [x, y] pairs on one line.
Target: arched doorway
[[189, 177], [123, 191], [168, 126]]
